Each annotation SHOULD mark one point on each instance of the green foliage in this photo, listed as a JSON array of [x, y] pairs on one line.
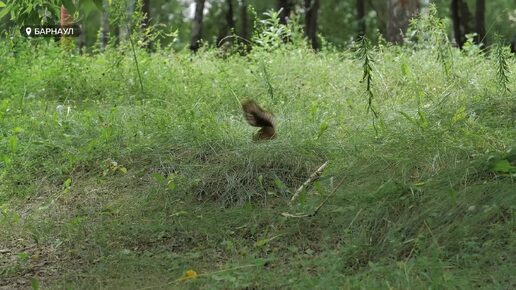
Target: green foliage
[[270, 33], [30, 12], [365, 54], [501, 54], [430, 31]]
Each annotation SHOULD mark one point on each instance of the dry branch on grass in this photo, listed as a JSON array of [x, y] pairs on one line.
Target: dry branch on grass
[[312, 177], [286, 214]]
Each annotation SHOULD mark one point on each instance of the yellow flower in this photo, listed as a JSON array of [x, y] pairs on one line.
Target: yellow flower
[[190, 274]]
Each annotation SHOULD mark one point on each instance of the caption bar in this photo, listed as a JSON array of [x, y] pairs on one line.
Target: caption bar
[[51, 31]]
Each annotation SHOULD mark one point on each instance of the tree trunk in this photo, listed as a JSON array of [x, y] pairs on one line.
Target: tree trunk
[[244, 32], [400, 12], [465, 16], [311, 10], [460, 19], [480, 12], [229, 24], [197, 25], [104, 25], [286, 8], [361, 17], [456, 20], [81, 40], [125, 25]]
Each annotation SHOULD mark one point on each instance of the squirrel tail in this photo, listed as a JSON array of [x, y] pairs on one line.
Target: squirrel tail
[[258, 117]]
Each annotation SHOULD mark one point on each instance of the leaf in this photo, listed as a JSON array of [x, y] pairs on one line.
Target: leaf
[[324, 126], [405, 69], [423, 121], [67, 183], [503, 166], [70, 6], [23, 256], [280, 185], [171, 185], [13, 143], [87, 7], [18, 130], [2, 4], [261, 243], [460, 115], [6, 160], [4, 11], [99, 5], [35, 284], [160, 179]]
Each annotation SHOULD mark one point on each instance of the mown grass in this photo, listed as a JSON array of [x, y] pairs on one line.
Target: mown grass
[[103, 185]]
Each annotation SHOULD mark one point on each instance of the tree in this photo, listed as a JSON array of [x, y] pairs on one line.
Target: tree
[[311, 11], [361, 17], [286, 7], [456, 20], [197, 25], [462, 25], [125, 23], [400, 12], [244, 32], [480, 12], [229, 23]]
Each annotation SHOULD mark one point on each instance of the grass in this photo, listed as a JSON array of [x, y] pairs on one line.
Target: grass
[[103, 185]]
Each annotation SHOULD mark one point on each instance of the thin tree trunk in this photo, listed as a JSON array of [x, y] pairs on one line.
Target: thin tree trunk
[[125, 24], [286, 8], [81, 40], [460, 18], [229, 24], [312, 9], [361, 17], [197, 25], [480, 21], [456, 20], [465, 16], [244, 32], [400, 12], [230, 20], [104, 25]]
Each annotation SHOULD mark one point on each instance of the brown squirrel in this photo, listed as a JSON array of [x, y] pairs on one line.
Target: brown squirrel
[[258, 117]]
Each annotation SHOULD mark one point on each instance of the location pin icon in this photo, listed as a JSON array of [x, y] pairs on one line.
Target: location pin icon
[[28, 30]]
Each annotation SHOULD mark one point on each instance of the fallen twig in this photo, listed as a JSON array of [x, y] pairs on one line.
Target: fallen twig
[[286, 214], [308, 181]]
